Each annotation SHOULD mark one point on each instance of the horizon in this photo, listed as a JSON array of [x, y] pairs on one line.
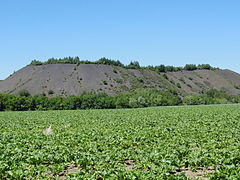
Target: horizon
[[152, 33]]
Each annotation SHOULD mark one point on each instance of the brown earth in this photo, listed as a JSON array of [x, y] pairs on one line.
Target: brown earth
[[200, 173], [72, 79]]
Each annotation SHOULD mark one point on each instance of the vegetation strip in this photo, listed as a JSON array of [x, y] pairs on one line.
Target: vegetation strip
[[131, 65], [136, 99]]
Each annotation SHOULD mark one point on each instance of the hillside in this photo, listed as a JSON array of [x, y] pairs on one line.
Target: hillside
[[74, 79]]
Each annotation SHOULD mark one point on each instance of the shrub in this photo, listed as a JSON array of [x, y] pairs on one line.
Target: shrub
[[24, 93], [189, 85], [105, 82], [165, 76], [140, 79], [179, 85], [193, 100], [50, 92], [237, 86], [119, 81], [172, 81], [137, 102], [182, 80]]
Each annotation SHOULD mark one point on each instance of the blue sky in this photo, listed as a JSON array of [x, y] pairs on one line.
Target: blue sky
[[153, 32]]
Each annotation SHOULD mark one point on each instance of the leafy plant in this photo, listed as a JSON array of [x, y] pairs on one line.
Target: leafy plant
[[150, 143]]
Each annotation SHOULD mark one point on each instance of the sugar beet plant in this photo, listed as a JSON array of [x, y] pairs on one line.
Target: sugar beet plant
[[150, 143]]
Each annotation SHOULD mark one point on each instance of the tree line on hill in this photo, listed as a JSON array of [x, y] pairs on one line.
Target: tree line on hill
[[137, 99], [131, 65]]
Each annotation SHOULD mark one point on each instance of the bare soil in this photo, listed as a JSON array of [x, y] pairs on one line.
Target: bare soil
[[200, 173], [72, 79]]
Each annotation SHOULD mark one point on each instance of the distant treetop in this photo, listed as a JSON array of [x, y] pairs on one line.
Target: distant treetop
[[131, 65]]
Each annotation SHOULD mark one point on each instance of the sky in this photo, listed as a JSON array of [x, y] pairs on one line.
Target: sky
[[152, 32]]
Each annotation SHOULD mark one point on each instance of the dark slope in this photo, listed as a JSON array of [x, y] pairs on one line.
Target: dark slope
[[72, 79]]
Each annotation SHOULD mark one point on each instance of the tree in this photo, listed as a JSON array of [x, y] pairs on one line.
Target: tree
[[133, 65], [109, 62], [190, 67], [2, 102], [204, 66], [36, 62], [161, 68], [170, 68]]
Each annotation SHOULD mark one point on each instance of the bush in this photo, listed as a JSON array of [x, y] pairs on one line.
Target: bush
[[189, 85], [119, 81], [137, 102], [193, 100], [165, 76], [105, 82], [140, 79], [172, 81], [50, 92], [24, 93], [237, 86], [182, 80], [214, 93], [179, 85]]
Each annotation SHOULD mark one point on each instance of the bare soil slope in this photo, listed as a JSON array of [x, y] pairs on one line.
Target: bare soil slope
[[72, 79]]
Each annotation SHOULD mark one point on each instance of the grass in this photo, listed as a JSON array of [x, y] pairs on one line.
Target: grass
[[150, 143]]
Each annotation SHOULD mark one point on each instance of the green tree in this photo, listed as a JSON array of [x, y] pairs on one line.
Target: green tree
[[36, 62], [2, 102], [133, 65], [190, 67], [204, 66]]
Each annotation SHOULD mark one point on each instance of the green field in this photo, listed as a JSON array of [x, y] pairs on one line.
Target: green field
[[150, 143]]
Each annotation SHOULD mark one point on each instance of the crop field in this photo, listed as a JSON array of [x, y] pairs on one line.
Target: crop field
[[150, 143]]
